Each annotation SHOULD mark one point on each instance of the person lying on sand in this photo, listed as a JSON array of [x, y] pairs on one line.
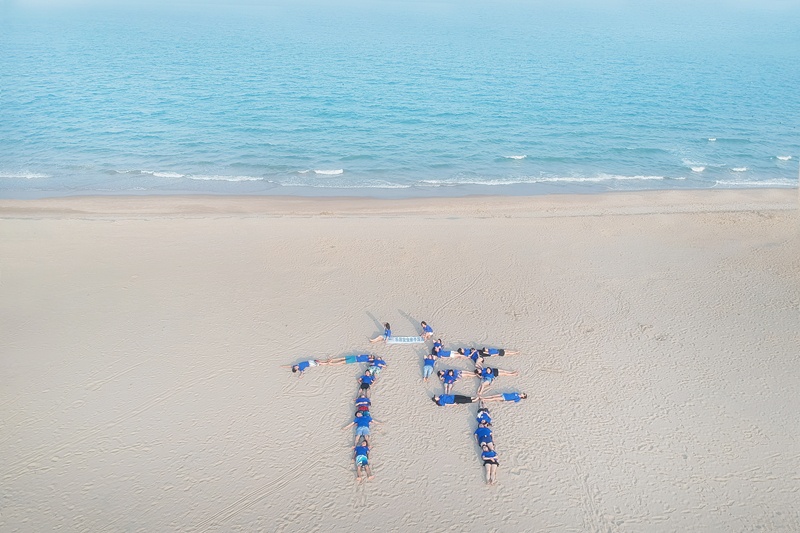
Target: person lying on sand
[[361, 421], [484, 435], [500, 352], [472, 353], [387, 332], [349, 360], [376, 364], [305, 365], [451, 399], [483, 414], [505, 397], [366, 382], [361, 459], [362, 402], [448, 377], [449, 353], [488, 375], [427, 366], [490, 462]]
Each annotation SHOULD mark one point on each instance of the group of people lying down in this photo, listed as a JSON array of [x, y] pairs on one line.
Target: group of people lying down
[[362, 418], [487, 375]]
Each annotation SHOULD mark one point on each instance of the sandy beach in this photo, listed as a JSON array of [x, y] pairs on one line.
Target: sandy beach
[[143, 340]]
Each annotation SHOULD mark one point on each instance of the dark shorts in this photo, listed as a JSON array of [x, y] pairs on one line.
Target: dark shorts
[[501, 353], [364, 386], [459, 398], [490, 462]]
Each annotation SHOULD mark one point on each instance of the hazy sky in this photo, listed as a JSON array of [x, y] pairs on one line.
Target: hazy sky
[[589, 4]]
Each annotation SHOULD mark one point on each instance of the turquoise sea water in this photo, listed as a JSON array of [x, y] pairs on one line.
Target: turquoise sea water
[[395, 99]]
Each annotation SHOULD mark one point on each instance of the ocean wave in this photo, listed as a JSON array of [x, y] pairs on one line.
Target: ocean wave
[[784, 157], [767, 183], [375, 185], [334, 172], [515, 157], [712, 139], [698, 169], [23, 175], [739, 169], [531, 180], [224, 178], [163, 174]]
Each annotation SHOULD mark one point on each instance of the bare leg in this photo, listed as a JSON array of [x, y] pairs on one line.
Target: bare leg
[[369, 472], [358, 473], [495, 398], [488, 474], [379, 338], [493, 472]]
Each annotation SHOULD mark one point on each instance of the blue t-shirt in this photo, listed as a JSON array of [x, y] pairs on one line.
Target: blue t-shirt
[[451, 378], [362, 421], [427, 329], [493, 351], [367, 379], [430, 360], [387, 332], [490, 454], [362, 450], [437, 344], [361, 400], [445, 353], [487, 373], [378, 362], [511, 396], [484, 434], [484, 417], [364, 358], [446, 399]]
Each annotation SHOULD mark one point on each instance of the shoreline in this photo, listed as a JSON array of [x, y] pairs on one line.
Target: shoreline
[[570, 204]]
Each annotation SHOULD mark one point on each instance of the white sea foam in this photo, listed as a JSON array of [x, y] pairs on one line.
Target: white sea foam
[[784, 157], [224, 178], [768, 183], [739, 169], [23, 175], [167, 175], [374, 185], [158, 174], [712, 139], [334, 172], [515, 156], [698, 169], [532, 180]]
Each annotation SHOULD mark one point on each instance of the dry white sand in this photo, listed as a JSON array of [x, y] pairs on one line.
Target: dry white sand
[[142, 338]]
